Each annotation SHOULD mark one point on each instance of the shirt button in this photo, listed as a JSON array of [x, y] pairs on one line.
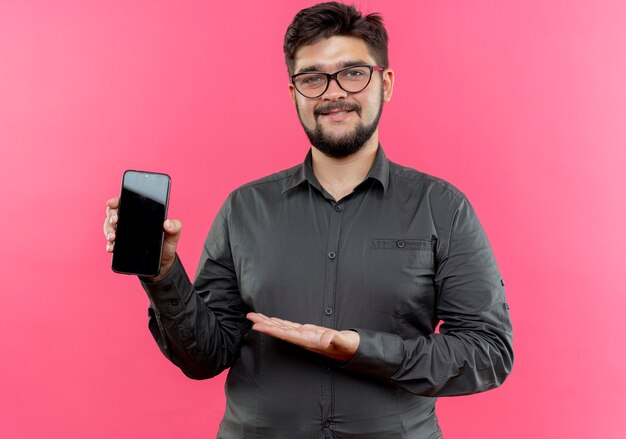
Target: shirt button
[[167, 288], [328, 311], [400, 244], [332, 255], [338, 207], [326, 424], [174, 302]]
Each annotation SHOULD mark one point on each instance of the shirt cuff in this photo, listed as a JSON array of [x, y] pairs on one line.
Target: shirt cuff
[[379, 354], [169, 295]]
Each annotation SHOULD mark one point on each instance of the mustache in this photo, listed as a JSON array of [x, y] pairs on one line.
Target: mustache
[[340, 106]]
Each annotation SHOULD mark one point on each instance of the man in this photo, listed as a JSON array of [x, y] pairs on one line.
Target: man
[[321, 286]]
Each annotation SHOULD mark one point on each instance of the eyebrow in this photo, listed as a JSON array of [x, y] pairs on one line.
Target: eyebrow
[[340, 65]]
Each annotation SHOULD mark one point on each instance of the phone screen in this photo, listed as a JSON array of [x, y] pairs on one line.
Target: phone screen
[[141, 212]]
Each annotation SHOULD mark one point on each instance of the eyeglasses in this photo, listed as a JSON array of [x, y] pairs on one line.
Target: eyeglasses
[[351, 79]]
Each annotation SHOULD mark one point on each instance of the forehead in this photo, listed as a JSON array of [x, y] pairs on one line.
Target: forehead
[[332, 53]]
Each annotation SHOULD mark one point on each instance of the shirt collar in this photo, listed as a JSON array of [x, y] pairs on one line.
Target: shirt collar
[[379, 171]]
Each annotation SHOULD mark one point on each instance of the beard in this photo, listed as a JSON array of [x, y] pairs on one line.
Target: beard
[[349, 143]]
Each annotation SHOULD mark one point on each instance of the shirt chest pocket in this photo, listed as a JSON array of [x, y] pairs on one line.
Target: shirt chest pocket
[[400, 274], [399, 257]]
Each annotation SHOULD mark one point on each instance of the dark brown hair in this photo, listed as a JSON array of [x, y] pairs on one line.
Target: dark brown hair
[[326, 20]]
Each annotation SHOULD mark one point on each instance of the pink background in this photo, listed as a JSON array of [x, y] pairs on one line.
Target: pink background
[[522, 105]]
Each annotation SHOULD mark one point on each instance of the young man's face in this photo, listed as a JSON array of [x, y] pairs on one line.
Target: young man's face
[[339, 123]]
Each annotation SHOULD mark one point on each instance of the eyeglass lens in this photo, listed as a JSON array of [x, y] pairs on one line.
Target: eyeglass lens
[[352, 80]]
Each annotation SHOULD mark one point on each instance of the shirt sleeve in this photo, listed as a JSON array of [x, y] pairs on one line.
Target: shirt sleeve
[[473, 351], [200, 326]]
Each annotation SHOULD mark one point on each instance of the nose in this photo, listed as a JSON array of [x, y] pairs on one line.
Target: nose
[[334, 92]]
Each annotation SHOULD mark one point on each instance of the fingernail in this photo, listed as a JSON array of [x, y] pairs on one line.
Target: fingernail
[[112, 218], [109, 235], [169, 225]]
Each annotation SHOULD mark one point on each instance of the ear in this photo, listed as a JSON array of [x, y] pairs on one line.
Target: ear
[[388, 79], [292, 92]]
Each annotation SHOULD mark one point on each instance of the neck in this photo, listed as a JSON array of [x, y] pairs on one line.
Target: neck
[[339, 176]]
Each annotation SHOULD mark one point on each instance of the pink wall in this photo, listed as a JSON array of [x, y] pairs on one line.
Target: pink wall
[[520, 104]]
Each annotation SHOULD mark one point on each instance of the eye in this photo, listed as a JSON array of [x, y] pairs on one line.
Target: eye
[[355, 74], [312, 80]]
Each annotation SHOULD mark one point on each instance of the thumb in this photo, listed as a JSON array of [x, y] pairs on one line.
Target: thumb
[[172, 230]]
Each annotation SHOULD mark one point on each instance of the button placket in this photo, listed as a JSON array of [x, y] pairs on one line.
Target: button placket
[[328, 316]]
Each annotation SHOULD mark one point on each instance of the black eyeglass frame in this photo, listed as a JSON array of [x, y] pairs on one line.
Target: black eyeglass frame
[[331, 76]]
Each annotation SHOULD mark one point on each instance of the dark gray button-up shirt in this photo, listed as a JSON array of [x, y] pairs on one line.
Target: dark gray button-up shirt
[[403, 251]]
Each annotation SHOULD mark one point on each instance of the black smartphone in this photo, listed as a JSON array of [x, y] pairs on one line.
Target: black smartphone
[[141, 213]]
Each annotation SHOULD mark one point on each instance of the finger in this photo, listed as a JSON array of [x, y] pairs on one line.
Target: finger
[[110, 222], [113, 203], [260, 318], [306, 338], [110, 247], [256, 317], [113, 217], [285, 323], [172, 227], [111, 209], [267, 322], [172, 230], [108, 227], [268, 326], [286, 334]]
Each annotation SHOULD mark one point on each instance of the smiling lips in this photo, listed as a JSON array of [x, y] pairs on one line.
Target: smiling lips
[[337, 115], [335, 112]]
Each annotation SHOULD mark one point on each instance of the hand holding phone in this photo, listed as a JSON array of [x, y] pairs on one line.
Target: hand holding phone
[[137, 236]]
